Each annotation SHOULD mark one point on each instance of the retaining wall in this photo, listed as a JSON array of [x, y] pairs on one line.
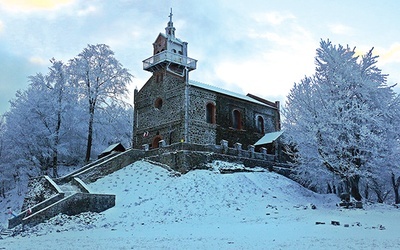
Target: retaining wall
[[40, 206], [72, 205], [181, 157]]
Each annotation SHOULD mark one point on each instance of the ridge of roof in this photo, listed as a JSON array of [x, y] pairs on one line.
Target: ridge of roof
[[226, 92], [175, 40]]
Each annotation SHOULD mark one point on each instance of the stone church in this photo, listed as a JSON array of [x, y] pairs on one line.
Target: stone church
[[172, 108]]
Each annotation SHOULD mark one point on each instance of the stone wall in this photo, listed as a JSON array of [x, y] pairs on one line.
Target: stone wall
[[72, 205], [19, 218], [166, 117], [69, 176], [111, 165], [249, 133], [183, 157], [41, 188], [201, 132]]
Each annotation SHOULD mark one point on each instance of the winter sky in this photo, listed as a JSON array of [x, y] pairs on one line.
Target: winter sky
[[254, 46]]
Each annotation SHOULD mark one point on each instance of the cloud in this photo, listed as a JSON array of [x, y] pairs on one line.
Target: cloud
[[273, 18], [1, 26], [390, 55], [340, 29], [282, 58], [87, 11], [387, 55], [33, 5], [38, 60]]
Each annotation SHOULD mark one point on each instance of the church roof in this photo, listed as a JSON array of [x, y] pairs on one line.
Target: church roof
[[226, 92]]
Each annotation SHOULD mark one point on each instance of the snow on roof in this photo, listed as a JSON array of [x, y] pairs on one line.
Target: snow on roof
[[111, 147], [225, 92], [173, 39], [269, 138]]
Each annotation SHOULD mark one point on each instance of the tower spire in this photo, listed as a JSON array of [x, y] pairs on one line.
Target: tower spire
[[170, 29]]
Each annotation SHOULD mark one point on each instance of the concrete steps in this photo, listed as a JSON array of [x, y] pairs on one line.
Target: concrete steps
[[72, 198]]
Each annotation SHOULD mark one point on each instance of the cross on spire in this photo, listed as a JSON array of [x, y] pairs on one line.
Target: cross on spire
[[170, 16], [170, 29]]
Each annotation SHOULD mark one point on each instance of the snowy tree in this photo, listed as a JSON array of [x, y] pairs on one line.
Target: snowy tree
[[2, 129], [340, 122], [101, 80], [113, 125], [29, 126]]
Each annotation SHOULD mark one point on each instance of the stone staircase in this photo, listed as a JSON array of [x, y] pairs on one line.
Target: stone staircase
[[72, 196]]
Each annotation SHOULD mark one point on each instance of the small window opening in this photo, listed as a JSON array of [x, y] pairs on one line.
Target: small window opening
[[158, 103], [210, 113], [237, 119], [260, 124]]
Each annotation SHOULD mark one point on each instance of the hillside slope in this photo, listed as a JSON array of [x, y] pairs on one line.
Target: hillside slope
[[156, 209]]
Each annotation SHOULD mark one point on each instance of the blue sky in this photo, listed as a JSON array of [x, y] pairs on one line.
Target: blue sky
[[255, 46]]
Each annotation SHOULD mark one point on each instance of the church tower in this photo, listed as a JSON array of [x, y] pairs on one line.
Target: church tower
[[169, 53], [161, 106]]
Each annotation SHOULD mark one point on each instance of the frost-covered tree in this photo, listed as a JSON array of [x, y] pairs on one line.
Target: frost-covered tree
[[113, 125], [101, 80], [31, 126], [342, 122]]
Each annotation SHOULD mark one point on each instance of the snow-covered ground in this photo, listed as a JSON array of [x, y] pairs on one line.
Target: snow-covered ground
[[156, 209]]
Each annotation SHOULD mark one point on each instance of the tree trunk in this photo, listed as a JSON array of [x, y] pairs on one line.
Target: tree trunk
[[396, 185], [57, 139], [354, 187], [90, 134]]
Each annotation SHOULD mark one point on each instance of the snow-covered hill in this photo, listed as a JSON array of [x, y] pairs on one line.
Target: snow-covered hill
[[157, 209]]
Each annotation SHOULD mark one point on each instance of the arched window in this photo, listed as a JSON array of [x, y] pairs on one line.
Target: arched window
[[237, 119], [260, 124], [158, 103], [210, 113]]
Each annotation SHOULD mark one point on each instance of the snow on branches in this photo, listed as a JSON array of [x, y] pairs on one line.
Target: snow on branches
[[342, 122]]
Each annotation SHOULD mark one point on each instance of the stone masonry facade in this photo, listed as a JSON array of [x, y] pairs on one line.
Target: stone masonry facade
[[160, 115], [159, 110]]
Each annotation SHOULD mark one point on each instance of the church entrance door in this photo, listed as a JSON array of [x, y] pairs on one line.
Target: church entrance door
[[156, 140]]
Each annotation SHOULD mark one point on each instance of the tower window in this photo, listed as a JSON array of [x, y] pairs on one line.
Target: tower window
[[158, 103], [237, 119], [260, 124], [210, 113]]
